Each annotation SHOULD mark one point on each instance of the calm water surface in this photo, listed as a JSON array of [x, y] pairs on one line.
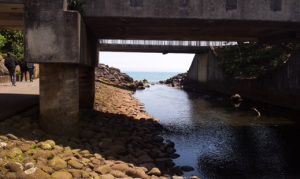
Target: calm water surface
[[223, 141]]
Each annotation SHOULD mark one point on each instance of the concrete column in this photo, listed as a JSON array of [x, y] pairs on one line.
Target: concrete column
[[59, 98], [86, 87]]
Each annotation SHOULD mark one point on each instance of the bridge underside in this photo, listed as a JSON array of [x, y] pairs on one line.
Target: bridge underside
[[192, 29]]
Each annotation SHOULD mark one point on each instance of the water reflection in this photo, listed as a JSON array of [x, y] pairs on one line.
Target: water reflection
[[221, 141]]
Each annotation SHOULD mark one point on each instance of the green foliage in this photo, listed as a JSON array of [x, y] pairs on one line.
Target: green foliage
[[33, 146], [2, 41], [252, 60], [76, 5], [13, 42]]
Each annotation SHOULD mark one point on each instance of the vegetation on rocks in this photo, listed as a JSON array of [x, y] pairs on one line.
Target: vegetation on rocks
[[252, 60]]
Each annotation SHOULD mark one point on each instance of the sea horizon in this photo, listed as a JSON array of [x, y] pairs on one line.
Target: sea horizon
[[151, 76]]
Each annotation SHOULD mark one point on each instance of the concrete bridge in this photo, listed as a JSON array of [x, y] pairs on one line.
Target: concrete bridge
[[65, 43]]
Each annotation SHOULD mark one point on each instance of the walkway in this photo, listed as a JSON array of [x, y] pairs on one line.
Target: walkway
[[15, 99]]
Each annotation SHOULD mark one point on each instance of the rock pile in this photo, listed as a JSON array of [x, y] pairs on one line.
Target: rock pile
[[111, 75], [106, 143], [113, 100], [175, 81], [114, 76]]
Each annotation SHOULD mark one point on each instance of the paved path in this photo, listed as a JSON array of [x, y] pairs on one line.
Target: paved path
[[15, 99]]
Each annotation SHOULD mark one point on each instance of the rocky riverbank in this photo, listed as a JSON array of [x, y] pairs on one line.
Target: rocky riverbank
[[175, 81], [114, 76], [118, 140]]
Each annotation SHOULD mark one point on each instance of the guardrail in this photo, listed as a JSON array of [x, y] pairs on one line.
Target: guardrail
[[165, 43]]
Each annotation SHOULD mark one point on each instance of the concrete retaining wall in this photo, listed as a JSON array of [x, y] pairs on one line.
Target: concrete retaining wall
[[281, 89], [4, 79]]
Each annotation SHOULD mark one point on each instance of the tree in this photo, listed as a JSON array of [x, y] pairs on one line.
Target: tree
[[2, 41], [252, 60], [12, 42]]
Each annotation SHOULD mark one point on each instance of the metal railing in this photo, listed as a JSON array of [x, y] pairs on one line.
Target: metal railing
[[165, 43]]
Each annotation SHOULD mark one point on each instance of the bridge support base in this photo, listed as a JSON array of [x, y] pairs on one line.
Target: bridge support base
[[86, 87], [59, 99]]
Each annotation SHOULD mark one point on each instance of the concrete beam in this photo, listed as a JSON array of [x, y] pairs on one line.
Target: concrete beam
[[53, 35], [207, 20], [11, 15]]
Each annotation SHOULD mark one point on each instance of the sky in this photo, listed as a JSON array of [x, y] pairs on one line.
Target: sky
[[147, 62]]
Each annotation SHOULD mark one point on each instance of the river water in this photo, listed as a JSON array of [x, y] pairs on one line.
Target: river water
[[221, 140]]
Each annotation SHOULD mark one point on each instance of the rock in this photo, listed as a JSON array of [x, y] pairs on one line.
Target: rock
[[42, 154], [30, 171], [154, 171], [78, 173], [47, 169], [14, 166], [3, 144], [177, 177], [103, 169], [11, 136], [29, 165], [11, 175], [44, 146], [121, 167], [107, 176], [25, 147], [75, 164], [187, 168], [61, 175], [173, 156], [170, 150], [57, 164], [118, 174], [145, 159], [3, 138], [149, 166], [137, 173], [14, 152]]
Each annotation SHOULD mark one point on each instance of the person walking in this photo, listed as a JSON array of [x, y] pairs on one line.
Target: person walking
[[30, 67], [11, 63], [24, 69]]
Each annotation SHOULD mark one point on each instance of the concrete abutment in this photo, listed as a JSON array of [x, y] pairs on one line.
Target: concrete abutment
[[280, 89]]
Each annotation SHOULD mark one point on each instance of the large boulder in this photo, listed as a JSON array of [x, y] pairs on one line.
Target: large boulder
[[3, 69]]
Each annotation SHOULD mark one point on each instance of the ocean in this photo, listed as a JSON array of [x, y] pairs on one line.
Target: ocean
[[151, 77]]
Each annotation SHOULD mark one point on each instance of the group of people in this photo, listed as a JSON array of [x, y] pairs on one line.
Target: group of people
[[11, 64]]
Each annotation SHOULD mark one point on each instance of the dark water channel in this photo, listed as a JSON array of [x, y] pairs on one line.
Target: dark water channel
[[223, 141]]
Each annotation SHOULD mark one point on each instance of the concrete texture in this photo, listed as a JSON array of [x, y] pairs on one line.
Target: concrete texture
[[86, 87], [15, 99], [228, 20], [59, 99], [281, 89]]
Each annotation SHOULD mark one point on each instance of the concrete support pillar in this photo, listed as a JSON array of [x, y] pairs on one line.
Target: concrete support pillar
[[86, 87], [59, 98]]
